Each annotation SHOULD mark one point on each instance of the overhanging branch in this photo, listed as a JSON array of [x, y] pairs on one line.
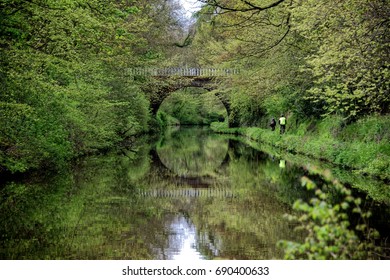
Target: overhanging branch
[[248, 6]]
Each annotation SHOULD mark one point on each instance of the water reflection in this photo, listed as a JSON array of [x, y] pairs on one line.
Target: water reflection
[[226, 201], [192, 152], [182, 240]]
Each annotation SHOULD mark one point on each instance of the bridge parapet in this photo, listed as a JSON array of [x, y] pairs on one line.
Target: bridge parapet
[[187, 192], [183, 72]]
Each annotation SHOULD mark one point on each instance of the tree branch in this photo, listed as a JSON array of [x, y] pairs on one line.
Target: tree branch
[[247, 8]]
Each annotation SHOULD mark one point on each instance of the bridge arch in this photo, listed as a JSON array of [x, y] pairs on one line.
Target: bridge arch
[[168, 86], [171, 79]]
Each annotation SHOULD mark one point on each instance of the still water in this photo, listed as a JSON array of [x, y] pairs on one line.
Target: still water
[[191, 195]]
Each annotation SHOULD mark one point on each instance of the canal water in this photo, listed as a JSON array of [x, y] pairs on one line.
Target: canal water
[[192, 194]]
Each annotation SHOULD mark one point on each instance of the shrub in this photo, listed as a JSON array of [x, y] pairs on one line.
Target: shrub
[[329, 233]]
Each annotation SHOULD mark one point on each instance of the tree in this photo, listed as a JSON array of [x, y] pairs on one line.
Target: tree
[[64, 89], [349, 62], [255, 37], [331, 58]]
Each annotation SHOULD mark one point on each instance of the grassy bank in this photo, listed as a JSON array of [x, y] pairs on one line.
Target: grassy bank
[[363, 147]]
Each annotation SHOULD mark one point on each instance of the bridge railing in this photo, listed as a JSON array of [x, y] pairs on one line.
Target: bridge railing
[[188, 193], [185, 72]]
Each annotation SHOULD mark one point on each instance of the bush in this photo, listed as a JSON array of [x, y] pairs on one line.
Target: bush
[[329, 233]]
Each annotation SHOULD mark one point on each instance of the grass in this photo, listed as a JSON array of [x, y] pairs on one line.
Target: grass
[[363, 147]]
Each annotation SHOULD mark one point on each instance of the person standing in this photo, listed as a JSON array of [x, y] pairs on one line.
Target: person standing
[[272, 124], [282, 123]]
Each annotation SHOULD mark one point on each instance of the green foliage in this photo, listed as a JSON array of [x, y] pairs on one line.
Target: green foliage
[[313, 59], [64, 89], [349, 62], [220, 127], [269, 81], [62, 69], [366, 149], [166, 120], [245, 108], [191, 107], [329, 233], [370, 129], [288, 99]]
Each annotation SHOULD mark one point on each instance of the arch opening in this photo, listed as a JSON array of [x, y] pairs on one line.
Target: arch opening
[[191, 106]]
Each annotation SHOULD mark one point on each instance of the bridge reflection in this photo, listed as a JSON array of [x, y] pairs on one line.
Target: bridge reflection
[[190, 163], [189, 192]]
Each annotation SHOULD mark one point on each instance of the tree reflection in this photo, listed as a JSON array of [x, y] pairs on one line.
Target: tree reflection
[[107, 207], [193, 152]]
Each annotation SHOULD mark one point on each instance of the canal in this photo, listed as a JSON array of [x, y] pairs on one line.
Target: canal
[[191, 194]]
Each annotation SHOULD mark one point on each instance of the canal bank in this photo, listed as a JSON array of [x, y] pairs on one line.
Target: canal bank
[[362, 147]]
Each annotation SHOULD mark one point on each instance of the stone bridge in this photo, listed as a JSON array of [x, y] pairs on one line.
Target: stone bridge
[[170, 79]]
